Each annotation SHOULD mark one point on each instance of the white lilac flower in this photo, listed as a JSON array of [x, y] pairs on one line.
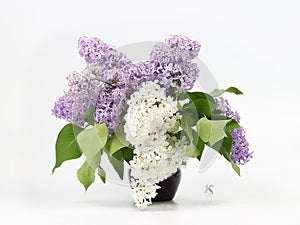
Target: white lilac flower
[[142, 195], [150, 117]]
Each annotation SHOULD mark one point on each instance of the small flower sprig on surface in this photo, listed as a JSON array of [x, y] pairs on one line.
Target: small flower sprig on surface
[[209, 189]]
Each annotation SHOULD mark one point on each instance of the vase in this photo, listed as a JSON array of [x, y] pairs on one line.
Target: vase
[[168, 187]]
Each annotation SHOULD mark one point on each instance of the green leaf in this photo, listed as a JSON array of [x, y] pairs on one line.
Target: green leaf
[[199, 146], [202, 107], [89, 116], [117, 162], [218, 92], [76, 130], [66, 146], [95, 162], [102, 174], [102, 132], [86, 175], [196, 145], [236, 168], [91, 141], [218, 130], [121, 135], [204, 127], [233, 165], [234, 90], [187, 131], [113, 145], [219, 116], [117, 142], [201, 103], [195, 148], [195, 96], [127, 154], [231, 125], [191, 151], [223, 146], [188, 120], [211, 131]]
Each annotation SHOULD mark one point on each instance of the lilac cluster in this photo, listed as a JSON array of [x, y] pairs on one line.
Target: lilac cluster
[[82, 94], [112, 96], [175, 49], [240, 147], [137, 73], [175, 76], [112, 100], [84, 87], [95, 51], [63, 108], [223, 105], [184, 43], [109, 76], [172, 62]]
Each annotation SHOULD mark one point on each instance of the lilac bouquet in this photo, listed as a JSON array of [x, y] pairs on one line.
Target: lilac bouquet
[[143, 114]]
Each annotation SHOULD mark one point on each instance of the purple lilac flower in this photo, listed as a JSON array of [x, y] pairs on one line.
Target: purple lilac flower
[[111, 101], [209, 189], [163, 53], [102, 63], [137, 73], [112, 97], [82, 94], [223, 105], [94, 50], [63, 107], [184, 43], [240, 147], [181, 77], [171, 62], [175, 49]]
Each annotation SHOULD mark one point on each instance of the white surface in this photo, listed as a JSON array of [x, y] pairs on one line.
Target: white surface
[[253, 45]]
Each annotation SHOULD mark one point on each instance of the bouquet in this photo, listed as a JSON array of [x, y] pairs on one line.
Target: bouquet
[[143, 114]]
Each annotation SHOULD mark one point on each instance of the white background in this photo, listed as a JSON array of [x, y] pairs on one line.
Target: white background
[[253, 45]]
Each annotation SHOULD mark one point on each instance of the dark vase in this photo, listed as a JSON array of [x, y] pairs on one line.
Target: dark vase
[[168, 187]]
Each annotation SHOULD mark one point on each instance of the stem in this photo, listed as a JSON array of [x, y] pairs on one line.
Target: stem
[[102, 81]]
